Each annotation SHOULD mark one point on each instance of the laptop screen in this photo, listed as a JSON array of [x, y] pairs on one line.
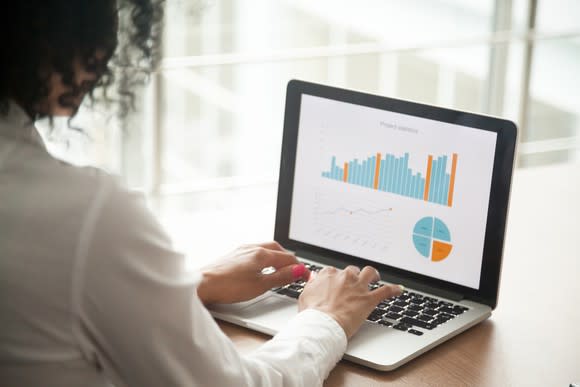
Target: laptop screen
[[404, 191]]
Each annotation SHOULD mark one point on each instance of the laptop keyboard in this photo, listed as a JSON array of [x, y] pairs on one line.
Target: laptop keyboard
[[409, 312]]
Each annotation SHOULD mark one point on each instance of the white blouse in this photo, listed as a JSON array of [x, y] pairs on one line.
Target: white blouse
[[93, 294]]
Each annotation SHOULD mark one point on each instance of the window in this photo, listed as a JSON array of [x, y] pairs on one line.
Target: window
[[208, 133]]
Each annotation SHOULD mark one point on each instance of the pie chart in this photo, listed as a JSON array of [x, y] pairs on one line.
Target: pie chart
[[432, 238]]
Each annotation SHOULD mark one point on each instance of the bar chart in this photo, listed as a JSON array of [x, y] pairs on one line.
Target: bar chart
[[392, 174]]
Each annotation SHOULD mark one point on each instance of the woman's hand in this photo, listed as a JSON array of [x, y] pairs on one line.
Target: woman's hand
[[344, 295], [239, 276]]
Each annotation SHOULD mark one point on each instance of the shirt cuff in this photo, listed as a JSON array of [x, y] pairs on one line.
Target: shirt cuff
[[322, 331]]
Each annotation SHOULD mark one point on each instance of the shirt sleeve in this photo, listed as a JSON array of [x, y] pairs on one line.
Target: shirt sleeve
[[138, 317]]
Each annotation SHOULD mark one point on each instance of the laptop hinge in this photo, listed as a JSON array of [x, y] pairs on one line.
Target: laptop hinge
[[385, 276]]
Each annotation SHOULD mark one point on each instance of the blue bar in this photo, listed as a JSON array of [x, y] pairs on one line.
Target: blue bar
[[370, 175], [372, 167], [415, 187], [419, 196], [395, 176], [398, 173], [384, 172], [389, 173], [401, 175], [403, 172], [446, 190], [406, 175], [367, 168], [432, 182], [355, 171], [381, 175], [363, 174], [369, 172], [437, 192], [332, 166], [392, 176], [419, 184], [441, 178]]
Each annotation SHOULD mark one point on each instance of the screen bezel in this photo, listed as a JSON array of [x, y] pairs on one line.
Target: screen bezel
[[499, 195]]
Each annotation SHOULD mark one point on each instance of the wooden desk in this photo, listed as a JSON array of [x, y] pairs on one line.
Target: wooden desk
[[533, 337]]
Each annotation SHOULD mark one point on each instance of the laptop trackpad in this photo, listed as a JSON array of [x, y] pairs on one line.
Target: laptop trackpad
[[272, 312]]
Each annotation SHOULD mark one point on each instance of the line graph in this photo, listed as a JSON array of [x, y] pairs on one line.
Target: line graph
[[356, 224]]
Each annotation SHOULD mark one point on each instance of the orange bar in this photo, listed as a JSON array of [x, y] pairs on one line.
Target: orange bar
[[377, 167], [452, 179], [345, 178], [428, 178]]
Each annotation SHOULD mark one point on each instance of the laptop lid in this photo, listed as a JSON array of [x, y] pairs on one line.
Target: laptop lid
[[418, 191]]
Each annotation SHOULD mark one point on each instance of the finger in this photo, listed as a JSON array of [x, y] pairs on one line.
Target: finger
[[352, 269], [386, 291], [272, 245], [275, 258], [351, 273], [328, 270], [369, 274], [286, 275]]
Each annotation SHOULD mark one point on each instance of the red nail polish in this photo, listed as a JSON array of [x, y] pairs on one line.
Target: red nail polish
[[298, 271]]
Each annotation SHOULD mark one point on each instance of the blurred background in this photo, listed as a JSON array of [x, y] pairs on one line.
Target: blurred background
[[204, 144]]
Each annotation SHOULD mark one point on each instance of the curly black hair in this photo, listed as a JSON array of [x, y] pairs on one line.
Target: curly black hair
[[42, 37]]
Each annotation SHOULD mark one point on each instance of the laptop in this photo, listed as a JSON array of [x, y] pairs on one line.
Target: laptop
[[420, 192]]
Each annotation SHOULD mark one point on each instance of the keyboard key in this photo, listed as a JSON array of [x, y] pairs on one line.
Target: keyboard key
[[410, 313], [289, 292], [295, 287], [383, 305], [401, 304], [416, 301], [430, 312], [374, 285], [396, 309], [424, 317], [445, 316], [415, 332], [402, 327], [393, 316], [457, 310], [439, 321], [445, 303], [445, 309], [385, 323], [414, 307], [417, 323], [375, 315]]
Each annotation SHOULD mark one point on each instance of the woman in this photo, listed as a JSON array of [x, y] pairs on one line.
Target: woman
[[91, 291]]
